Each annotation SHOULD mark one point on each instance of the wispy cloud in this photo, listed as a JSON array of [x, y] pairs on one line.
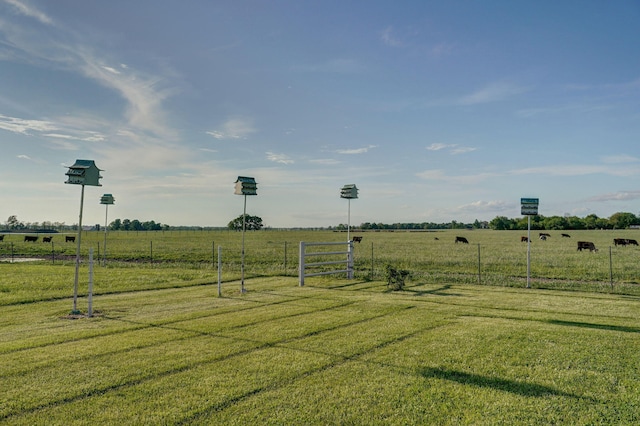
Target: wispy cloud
[[354, 151], [486, 206], [454, 149], [279, 158], [616, 196], [325, 161], [24, 9], [24, 157], [234, 128], [494, 92], [620, 159], [389, 38], [440, 175]]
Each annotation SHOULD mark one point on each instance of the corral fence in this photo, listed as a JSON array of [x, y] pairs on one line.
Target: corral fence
[[319, 266]]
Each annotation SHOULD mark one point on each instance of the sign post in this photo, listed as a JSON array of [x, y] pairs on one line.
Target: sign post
[[529, 207]]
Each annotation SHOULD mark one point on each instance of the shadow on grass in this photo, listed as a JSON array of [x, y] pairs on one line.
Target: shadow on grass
[[595, 326], [437, 291], [512, 386]]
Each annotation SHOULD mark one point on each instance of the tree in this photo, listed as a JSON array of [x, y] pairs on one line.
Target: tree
[[622, 220], [14, 223], [252, 223]]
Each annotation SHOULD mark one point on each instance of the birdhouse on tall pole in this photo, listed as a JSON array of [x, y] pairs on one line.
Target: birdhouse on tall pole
[[244, 186], [349, 192], [82, 172]]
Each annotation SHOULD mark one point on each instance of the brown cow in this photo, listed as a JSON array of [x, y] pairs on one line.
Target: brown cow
[[524, 239]]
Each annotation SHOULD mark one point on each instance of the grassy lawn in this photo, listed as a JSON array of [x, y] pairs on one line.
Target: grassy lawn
[[333, 352]]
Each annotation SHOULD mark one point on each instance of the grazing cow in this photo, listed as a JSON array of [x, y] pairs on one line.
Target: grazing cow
[[524, 239], [461, 240], [46, 239], [544, 234], [543, 237], [357, 239], [30, 238], [69, 239], [1, 237], [586, 245], [632, 242], [436, 238], [619, 242], [566, 235]]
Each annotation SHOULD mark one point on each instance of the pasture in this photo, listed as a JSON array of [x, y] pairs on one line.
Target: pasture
[[332, 352], [497, 258]]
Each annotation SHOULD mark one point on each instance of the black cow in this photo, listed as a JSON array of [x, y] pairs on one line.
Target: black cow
[[566, 235], [47, 239], [632, 242], [461, 240], [30, 238], [69, 239], [544, 234], [620, 242], [586, 245], [1, 237], [357, 239], [524, 239], [543, 237]]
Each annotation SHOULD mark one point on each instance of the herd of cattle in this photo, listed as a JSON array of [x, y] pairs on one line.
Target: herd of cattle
[[582, 245], [48, 239]]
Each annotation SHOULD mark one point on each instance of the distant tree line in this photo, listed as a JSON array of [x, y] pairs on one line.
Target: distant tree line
[[136, 225], [621, 220]]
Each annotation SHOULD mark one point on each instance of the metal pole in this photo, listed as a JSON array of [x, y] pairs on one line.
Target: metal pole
[[219, 271], [349, 219], [104, 250], [90, 311], [610, 268], [244, 214], [75, 283], [528, 251], [301, 264], [479, 276], [350, 259]]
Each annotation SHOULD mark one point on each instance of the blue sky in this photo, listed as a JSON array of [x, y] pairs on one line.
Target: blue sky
[[436, 110]]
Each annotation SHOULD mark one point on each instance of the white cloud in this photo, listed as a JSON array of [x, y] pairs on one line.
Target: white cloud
[[619, 159], [325, 161], [492, 93], [24, 157], [454, 149], [616, 196], [279, 158], [234, 128], [24, 9], [486, 206], [438, 146], [356, 150], [462, 150], [389, 38]]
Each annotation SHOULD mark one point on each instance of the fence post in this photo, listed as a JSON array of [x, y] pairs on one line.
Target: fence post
[[285, 257], [219, 271], [371, 260], [90, 297], [610, 268], [479, 280], [301, 267], [350, 260]]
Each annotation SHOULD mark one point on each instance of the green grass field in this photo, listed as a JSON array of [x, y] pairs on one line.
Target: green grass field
[[333, 352], [164, 348]]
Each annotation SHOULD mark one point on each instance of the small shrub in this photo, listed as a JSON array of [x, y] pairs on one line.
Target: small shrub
[[395, 277]]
